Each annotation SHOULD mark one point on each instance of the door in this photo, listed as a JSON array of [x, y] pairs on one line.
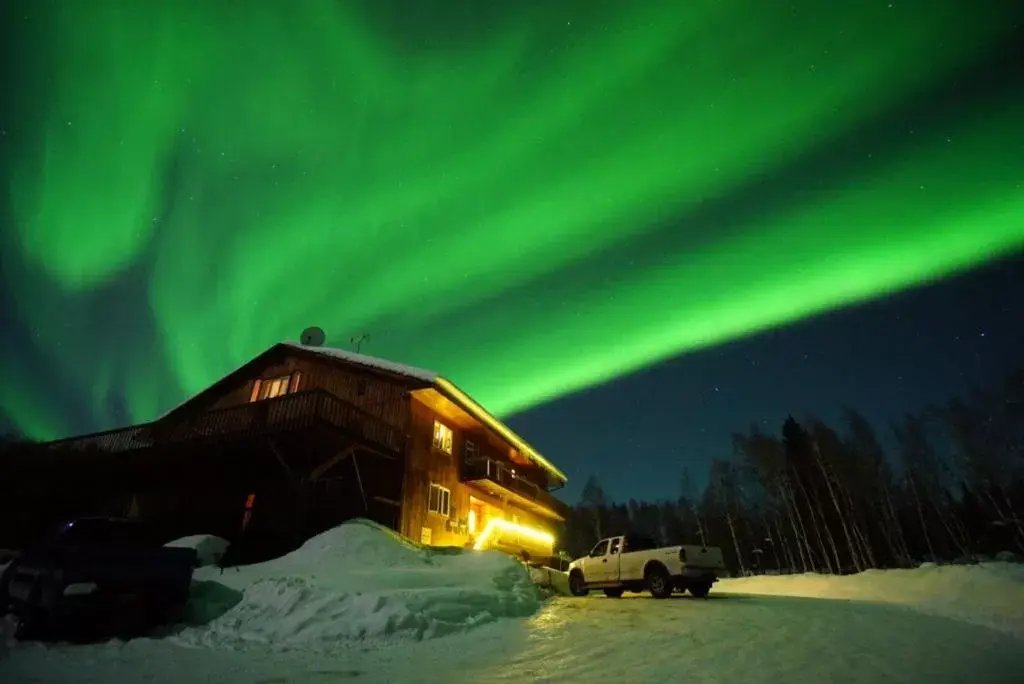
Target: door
[[609, 565], [631, 563], [595, 561]]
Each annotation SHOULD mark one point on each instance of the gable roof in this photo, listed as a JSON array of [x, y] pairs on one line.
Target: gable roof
[[368, 361], [425, 377], [445, 387]]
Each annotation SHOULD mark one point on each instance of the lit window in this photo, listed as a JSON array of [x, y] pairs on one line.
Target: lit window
[[442, 437], [275, 387], [440, 500], [471, 524]]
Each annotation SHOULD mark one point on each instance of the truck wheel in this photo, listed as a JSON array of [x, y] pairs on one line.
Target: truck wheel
[[613, 593], [658, 582], [577, 585], [700, 590]]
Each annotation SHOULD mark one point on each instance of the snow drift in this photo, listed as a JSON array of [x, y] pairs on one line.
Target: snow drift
[[552, 582], [209, 548], [359, 585], [988, 594]]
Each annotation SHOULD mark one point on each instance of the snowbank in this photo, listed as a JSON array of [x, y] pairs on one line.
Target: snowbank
[[211, 549], [989, 594], [552, 581], [358, 585]]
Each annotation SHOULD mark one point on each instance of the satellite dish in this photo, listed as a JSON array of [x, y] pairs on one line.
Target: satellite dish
[[313, 337]]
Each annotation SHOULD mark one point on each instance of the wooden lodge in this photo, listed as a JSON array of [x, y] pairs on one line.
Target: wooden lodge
[[295, 441]]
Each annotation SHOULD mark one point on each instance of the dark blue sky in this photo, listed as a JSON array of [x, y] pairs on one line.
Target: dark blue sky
[[884, 358]]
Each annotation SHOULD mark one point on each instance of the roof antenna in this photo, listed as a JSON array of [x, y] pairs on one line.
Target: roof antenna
[[357, 342]]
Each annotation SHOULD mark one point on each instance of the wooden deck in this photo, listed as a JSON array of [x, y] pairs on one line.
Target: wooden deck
[[492, 473], [298, 411]]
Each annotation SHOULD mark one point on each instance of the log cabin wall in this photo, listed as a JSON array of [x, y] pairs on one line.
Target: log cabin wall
[[378, 394], [426, 466]]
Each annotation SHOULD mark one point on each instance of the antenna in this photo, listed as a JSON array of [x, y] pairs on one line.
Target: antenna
[[357, 342], [313, 337]]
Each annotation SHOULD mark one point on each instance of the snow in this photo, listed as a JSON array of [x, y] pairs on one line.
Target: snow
[[987, 594], [210, 549], [360, 603], [370, 362], [357, 585], [552, 582]]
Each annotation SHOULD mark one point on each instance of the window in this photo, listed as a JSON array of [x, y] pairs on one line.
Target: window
[[469, 452], [275, 387], [601, 549], [640, 542], [442, 437], [615, 546], [439, 500]]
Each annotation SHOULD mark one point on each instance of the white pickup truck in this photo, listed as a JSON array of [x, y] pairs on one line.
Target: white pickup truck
[[634, 562]]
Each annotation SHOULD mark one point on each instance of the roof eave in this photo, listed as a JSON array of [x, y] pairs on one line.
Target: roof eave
[[480, 413]]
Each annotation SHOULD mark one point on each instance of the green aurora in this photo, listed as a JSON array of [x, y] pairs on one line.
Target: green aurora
[[530, 200]]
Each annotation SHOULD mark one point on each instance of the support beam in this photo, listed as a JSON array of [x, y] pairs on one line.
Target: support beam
[[359, 479], [322, 469]]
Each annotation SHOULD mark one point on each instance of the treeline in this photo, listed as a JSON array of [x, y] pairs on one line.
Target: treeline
[[949, 487]]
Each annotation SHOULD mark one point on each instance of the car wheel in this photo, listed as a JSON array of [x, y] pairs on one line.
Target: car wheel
[[658, 582], [577, 584]]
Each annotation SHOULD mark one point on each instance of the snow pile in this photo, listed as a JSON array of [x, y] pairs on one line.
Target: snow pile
[[360, 585], [988, 594], [210, 549], [551, 581]]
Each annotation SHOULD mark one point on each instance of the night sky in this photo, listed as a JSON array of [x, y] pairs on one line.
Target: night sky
[[632, 227]]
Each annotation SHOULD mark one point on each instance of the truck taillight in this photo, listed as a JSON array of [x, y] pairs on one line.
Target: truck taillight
[[682, 555]]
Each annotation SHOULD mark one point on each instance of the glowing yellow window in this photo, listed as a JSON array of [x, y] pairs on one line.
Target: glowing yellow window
[[442, 437]]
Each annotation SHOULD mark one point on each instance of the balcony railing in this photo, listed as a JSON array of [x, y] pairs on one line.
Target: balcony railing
[[501, 473], [289, 412]]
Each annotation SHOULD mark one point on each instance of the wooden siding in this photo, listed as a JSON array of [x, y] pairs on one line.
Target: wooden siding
[[426, 465], [379, 395]]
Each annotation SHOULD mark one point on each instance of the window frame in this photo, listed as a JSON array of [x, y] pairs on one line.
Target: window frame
[[434, 442], [283, 384], [444, 495]]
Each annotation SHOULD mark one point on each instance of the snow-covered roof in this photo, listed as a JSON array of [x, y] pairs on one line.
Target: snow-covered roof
[[370, 361]]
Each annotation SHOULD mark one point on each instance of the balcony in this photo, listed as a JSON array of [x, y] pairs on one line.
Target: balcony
[[499, 478], [290, 412]]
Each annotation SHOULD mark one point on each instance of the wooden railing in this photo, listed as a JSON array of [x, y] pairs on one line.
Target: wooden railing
[[500, 473], [288, 412]]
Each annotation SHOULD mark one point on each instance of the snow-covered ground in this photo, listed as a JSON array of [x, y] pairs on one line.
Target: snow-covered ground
[[360, 604], [987, 594]]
